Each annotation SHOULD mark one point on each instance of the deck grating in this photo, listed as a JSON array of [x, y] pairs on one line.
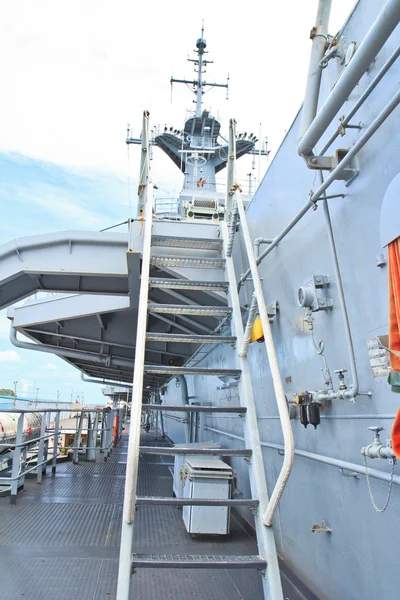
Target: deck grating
[[62, 539]]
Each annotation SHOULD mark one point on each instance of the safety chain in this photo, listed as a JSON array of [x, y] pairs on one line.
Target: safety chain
[[379, 510]]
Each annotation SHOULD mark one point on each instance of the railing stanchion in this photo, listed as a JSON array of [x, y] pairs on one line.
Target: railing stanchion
[[16, 460]]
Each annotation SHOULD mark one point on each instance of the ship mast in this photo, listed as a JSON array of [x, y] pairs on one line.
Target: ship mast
[[199, 84]]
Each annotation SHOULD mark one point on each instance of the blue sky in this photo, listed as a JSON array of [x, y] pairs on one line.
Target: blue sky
[[37, 197]]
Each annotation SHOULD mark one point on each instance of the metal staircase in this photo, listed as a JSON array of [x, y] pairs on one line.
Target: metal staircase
[[225, 282]]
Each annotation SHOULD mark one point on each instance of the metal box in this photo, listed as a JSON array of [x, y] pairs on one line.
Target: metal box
[[209, 479], [180, 460]]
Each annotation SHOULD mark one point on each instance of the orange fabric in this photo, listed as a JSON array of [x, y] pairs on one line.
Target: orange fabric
[[394, 301], [115, 430], [396, 435]]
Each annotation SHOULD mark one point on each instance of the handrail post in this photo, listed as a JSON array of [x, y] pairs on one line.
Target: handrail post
[[40, 457], [124, 571], [90, 451], [231, 170], [274, 368], [103, 431], [16, 460], [55, 443], [77, 439]]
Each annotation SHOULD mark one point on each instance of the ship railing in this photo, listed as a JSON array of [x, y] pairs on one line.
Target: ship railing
[[219, 186], [22, 454], [235, 210]]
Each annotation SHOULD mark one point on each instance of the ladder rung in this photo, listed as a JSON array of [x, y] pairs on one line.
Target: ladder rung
[[182, 242], [159, 501], [167, 370], [190, 309], [171, 451], [160, 260], [188, 284], [193, 408], [190, 339], [201, 561]]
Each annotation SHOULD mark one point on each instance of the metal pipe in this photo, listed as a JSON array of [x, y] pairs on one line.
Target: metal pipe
[[185, 400], [319, 36], [257, 243], [249, 327], [376, 37], [231, 175], [327, 460], [124, 570], [362, 99], [66, 352], [353, 391], [232, 229], [363, 139], [105, 382], [347, 417], [253, 307], [17, 477], [274, 369], [258, 485]]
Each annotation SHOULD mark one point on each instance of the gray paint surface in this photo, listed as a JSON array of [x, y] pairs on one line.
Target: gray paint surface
[[359, 558]]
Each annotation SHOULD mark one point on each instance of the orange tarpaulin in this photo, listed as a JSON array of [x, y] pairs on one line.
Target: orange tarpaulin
[[396, 435], [394, 326], [394, 302]]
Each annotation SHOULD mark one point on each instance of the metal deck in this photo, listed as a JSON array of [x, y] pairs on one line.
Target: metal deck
[[62, 539]]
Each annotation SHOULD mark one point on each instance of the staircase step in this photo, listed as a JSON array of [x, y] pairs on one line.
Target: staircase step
[[200, 561], [190, 339], [167, 370], [182, 242], [159, 501], [161, 260], [172, 451], [188, 284], [195, 408], [190, 309]]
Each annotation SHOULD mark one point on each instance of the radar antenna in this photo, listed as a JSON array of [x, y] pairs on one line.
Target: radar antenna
[[198, 85]]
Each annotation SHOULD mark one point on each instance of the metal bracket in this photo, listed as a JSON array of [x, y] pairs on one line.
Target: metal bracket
[[321, 528], [272, 308], [329, 163], [391, 459], [321, 281], [347, 473]]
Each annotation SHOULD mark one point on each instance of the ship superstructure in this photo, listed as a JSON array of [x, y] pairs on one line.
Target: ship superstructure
[[199, 150]]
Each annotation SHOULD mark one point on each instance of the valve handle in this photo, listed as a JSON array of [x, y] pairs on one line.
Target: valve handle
[[376, 429], [341, 371]]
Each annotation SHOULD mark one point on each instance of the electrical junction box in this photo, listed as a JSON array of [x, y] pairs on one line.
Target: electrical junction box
[[180, 460], [208, 479]]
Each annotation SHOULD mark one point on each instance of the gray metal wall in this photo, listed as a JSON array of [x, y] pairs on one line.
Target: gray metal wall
[[359, 559]]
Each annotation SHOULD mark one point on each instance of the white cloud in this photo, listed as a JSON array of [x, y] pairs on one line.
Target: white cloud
[[50, 367], [9, 356], [82, 95]]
